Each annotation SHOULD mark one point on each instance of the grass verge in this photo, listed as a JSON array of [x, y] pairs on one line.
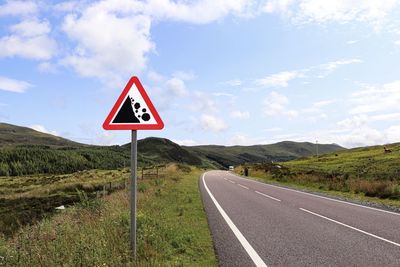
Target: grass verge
[[172, 229], [312, 183], [26, 199]]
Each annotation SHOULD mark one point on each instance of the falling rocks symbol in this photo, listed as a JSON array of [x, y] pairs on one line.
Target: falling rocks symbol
[[127, 115]]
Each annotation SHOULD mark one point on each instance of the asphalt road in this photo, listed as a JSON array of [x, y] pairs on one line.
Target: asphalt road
[[256, 224]]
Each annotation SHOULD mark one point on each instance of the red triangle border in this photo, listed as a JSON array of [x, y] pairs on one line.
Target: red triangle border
[[107, 125]]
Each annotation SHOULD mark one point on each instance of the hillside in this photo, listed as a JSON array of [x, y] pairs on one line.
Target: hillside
[[282, 151], [12, 135], [366, 162], [26, 151], [365, 171], [164, 151]]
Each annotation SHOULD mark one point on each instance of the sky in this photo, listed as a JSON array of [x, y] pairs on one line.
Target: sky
[[237, 72]]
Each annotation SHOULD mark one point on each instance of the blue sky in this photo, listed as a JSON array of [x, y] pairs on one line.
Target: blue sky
[[219, 72]]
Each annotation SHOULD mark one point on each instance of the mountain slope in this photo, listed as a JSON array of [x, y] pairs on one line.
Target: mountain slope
[[367, 162], [162, 150], [26, 151], [282, 151], [12, 135]]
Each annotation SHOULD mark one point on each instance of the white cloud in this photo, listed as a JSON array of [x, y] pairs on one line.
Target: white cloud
[[241, 140], [105, 138], [384, 98], [234, 82], [386, 117], [176, 87], [185, 142], [277, 105], [199, 12], [202, 102], [12, 85], [340, 11], [279, 6], [155, 77], [273, 129], [351, 42], [329, 67], [323, 103], [47, 67], [283, 78], [29, 39], [184, 75], [280, 79], [356, 131], [18, 8], [397, 42], [223, 94], [240, 114], [211, 123], [110, 44], [393, 134], [113, 36], [69, 6], [41, 128]]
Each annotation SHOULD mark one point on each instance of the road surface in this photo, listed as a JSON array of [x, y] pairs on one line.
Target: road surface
[[256, 224]]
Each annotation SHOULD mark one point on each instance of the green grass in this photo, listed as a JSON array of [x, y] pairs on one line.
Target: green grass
[[364, 174], [172, 229], [24, 199], [366, 163]]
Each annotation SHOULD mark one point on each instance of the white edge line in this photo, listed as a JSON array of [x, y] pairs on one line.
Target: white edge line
[[243, 186], [267, 196], [351, 227], [246, 245], [327, 198]]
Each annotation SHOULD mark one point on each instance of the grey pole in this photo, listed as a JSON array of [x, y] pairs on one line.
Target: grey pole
[[133, 191]]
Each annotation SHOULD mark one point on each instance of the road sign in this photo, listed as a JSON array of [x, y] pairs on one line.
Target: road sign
[[133, 111]]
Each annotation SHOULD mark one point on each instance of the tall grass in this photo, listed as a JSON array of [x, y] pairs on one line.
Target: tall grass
[[172, 229]]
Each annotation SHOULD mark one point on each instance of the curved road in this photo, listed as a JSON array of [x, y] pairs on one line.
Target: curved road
[[257, 224]]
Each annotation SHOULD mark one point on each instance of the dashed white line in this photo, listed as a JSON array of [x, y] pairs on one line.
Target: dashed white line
[[243, 241], [232, 182], [313, 195], [243, 186], [351, 227], [267, 196], [225, 179]]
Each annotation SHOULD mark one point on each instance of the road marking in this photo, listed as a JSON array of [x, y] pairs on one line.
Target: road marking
[[232, 182], [243, 186], [267, 196], [351, 227], [225, 179], [246, 245], [327, 198]]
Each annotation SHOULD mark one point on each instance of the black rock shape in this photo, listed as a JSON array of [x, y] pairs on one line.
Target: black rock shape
[[126, 114], [146, 117]]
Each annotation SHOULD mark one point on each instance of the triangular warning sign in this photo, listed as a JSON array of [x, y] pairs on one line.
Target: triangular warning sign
[[133, 110]]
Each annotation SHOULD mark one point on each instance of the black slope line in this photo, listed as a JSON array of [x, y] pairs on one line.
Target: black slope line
[[125, 114]]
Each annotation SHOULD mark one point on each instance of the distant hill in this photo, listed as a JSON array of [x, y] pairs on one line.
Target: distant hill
[[26, 151], [364, 162], [163, 150], [12, 135], [282, 151]]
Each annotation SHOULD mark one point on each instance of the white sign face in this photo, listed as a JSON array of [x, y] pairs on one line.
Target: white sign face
[[133, 110]]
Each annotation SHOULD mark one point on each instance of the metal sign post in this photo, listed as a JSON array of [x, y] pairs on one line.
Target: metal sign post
[[133, 111], [133, 191]]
